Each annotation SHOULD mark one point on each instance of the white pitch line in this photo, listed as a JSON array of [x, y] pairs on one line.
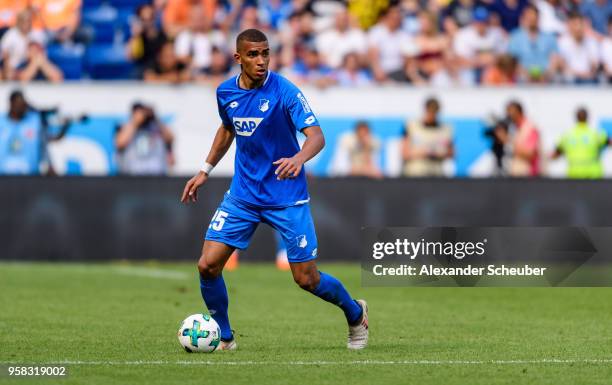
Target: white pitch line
[[327, 363]]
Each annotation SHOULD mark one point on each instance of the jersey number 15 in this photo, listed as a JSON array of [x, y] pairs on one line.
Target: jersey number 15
[[218, 220]]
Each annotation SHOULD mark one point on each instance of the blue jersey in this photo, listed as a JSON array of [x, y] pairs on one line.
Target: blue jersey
[[20, 144], [266, 121]]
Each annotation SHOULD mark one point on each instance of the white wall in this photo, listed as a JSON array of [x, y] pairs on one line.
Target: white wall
[[196, 119]]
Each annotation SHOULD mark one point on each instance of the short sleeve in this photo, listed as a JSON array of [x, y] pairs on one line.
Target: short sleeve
[[297, 107], [606, 53], [5, 42], [461, 46], [513, 45], [554, 47], [406, 128], [593, 51], [182, 45], [602, 138], [222, 114], [562, 145]]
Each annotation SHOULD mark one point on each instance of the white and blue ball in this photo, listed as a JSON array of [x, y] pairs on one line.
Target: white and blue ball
[[199, 333]]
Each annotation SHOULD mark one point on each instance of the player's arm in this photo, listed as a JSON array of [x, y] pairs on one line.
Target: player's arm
[[222, 142], [291, 167]]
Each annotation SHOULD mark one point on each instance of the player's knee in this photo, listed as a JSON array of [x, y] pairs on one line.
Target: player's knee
[[308, 282], [207, 270]]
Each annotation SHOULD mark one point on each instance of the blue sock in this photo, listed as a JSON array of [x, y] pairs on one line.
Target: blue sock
[[214, 294], [332, 290]]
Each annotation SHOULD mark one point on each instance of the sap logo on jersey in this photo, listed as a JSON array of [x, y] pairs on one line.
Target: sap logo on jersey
[[246, 126]]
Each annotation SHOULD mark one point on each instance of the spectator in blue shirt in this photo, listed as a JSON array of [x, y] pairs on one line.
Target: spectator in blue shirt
[[24, 135], [598, 12], [536, 51], [509, 12], [309, 68]]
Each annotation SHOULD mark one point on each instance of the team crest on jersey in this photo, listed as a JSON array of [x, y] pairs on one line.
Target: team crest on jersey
[[301, 241], [264, 105], [246, 126]]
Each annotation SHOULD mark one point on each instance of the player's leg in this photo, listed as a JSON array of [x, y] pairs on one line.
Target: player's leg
[[297, 229], [230, 228], [212, 285], [325, 286]]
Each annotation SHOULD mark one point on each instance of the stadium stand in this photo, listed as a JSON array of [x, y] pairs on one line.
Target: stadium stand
[[295, 26]]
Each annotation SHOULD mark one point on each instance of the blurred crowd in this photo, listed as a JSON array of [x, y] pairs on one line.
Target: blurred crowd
[[328, 42], [143, 144], [427, 148]]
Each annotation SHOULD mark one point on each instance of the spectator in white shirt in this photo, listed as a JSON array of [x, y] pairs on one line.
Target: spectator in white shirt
[[579, 52], [606, 53], [477, 46], [433, 56], [389, 47], [342, 39], [16, 42], [552, 18], [194, 45]]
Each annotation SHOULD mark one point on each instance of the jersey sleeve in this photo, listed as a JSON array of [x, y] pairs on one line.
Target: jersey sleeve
[[602, 138], [297, 107], [227, 123], [563, 142]]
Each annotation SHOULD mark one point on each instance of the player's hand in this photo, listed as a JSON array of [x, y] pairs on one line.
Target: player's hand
[[190, 192], [288, 168]]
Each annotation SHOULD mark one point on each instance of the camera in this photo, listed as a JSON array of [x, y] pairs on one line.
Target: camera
[[496, 127]]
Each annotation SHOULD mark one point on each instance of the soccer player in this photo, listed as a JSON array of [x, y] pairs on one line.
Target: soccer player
[[262, 111]]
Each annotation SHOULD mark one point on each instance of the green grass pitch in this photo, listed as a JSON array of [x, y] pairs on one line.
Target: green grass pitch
[[117, 323]]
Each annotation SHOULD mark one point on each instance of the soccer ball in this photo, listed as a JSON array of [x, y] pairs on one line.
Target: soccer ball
[[199, 333]]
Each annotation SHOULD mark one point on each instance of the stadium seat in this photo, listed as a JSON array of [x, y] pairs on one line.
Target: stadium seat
[[122, 23], [108, 62], [68, 58], [103, 21], [88, 4], [128, 3]]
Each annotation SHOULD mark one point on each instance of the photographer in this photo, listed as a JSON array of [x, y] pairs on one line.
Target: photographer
[[24, 136], [144, 144], [497, 132], [515, 143], [427, 143], [524, 142]]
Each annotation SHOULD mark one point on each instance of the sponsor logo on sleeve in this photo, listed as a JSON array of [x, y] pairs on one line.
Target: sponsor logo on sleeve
[[305, 104], [309, 120]]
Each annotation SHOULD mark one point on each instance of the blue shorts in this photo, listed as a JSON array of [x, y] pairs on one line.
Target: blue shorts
[[234, 224]]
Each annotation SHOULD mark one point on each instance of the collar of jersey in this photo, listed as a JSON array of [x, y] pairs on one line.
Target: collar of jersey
[[262, 86]]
